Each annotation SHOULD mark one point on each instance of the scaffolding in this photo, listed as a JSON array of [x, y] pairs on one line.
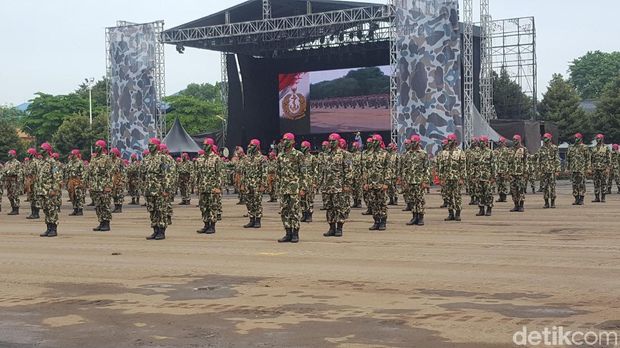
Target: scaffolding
[[487, 110], [468, 72], [160, 79], [392, 33], [224, 96]]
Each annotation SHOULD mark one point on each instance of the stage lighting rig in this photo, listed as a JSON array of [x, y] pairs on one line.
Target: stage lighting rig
[[180, 48]]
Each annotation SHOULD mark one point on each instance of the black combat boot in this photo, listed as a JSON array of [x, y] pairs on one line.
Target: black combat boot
[[357, 204], [309, 217], [375, 226], [546, 206], [210, 228], [489, 211], [332, 230], [74, 213], [552, 206], [295, 235], [47, 231], [105, 226], [521, 208], [414, 220], [516, 208], [98, 228], [420, 219], [250, 224], [339, 227], [161, 233], [204, 229], [118, 208], [80, 212], [577, 198], [395, 200], [133, 201], [155, 233], [367, 212], [603, 197], [53, 230], [138, 200], [457, 215], [34, 213], [304, 216], [581, 198], [391, 202], [382, 223], [287, 237], [257, 223], [444, 205], [14, 211], [480, 211], [450, 215], [408, 207], [597, 198]]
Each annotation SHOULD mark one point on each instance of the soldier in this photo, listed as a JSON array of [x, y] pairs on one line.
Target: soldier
[[119, 180], [502, 160], [414, 177], [356, 184], [392, 191], [519, 170], [157, 186], [254, 177], [237, 160], [453, 169], [548, 168], [471, 157], [271, 177], [439, 158], [48, 187], [13, 179], [322, 164], [312, 173], [578, 164], [484, 174], [32, 173], [365, 193], [101, 182], [184, 169], [601, 166], [134, 177], [532, 173], [402, 168], [75, 182], [291, 174], [173, 176], [209, 177], [615, 169], [335, 179], [377, 174]]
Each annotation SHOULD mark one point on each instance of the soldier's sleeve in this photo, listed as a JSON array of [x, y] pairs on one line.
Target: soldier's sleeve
[[558, 163]]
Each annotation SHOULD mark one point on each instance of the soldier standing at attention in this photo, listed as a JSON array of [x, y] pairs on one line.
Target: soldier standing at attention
[[485, 174], [392, 191], [615, 169], [209, 183], [322, 164], [31, 176], [378, 172], [453, 169], [356, 186], [403, 166], [75, 182], [502, 160], [601, 166], [414, 178], [254, 178], [172, 177], [336, 180], [119, 180], [271, 177], [290, 173], [134, 180], [578, 164], [184, 168], [532, 172], [157, 183], [366, 192], [48, 186], [312, 173], [548, 168], [471, 158], [13, 179], [519, 170], [100, 179]]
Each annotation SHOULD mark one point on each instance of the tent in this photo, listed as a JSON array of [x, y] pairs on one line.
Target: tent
[[178, 141]]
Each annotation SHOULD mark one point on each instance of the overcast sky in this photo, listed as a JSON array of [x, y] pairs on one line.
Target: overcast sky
[[51, 46]]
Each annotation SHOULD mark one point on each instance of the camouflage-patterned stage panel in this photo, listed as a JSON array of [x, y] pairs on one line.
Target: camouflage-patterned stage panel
[[133, 95], [428, 70]]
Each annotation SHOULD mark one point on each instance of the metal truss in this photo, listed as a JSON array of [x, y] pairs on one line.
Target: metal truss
[[487, 109], [266, 9], [513, 49], [160, 79], [394, 134], [468, 72], [224, 96], [108, 74]]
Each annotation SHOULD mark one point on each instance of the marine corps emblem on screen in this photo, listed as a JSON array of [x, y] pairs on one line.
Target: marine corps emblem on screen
[[294, 105]]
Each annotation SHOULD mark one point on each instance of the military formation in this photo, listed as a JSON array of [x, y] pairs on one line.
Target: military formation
[[345, 175]]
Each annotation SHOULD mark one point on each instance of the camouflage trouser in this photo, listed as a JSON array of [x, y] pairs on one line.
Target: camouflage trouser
[[254, 203], [13, 190], [307, 201], [365, 197], [444, 195], [377, 202], [218, 201], [614, 175], [133, 188], [208, 207], [502, 184], [169, 200], [391, 193], [452, 191], [485, 194], [408, 195], [271, 186], [157, 208], [356, 191], [518, 186], [290, 210], [579, 184], [337, 206], [532, 181], [547, 182], [185, 187], [417, 200], [51, 208], [76, 192], [118, 194], [600, 181], [102, 201]]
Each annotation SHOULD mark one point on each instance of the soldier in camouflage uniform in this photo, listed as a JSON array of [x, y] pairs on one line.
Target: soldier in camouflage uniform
[[209, 181], [134, 177], [471, 158], [75, 171], [184, 169], [377, 172], [365, 193], [453, 169], [357, 167], [335, 179], [322, 164], [578, 164], [311, 163], [438, 162], [415, 168], [601, 167], [172, 177], [502, 161], [519, 170], [237, 160], [271, 177], [13, 179], [484, 175], [119, 180], [291, 174], [254, 177], [548, 168], [157, 186], [100, 182], [401, 171], [48, 188], [32, 172], [615, 169], [392, 191], [532, 173]]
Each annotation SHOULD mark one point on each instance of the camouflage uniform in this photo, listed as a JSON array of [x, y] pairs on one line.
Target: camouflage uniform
[[209, 181], [453, 169], [548, 166], [134, 179], [614, 172], [335, 179], [119, 181], [311, 163], [392, 191], [471, 158], [484, 174], [578, 158], [32, 172], [48, 188], [415, 168], [518, 183], [157, 184], [13, 179], [254, 177], [377, 172], [74, 170], [271, 179], [601, 166], [173, 178], [502, 160], [184, 170], [100, 183], [290, 173], [357, 183], [532, 174]]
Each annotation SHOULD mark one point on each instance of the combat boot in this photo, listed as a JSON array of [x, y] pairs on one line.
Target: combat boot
[[581, 198], [34, 213], [395, 200], [391, 202], [105, 226], [118, 208], [295, 235], [250, 224], [14, 211], [597, 198], [489, 211], [408, 207], [138, 200], [552, 203], [603, 197], [420, 220], [450, 215], [546, 206], [515, 209], [74, 213], [332, 230], [133, 201], [339, 227], [577, 199], [375, 226], [357, 204], [521, 208], [414, 220], [155, 233], [53, 230], [204, 229], [161, 233], [287, 237], [309, 217], [481, 211], [98, 228], [80, 212], [444, 205], [472, 201], [257, 223], [367, 212], [457, 215], [47, 231], [382, 223], [211, 228], [304, 217]]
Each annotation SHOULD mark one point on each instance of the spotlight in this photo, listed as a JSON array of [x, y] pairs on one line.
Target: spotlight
[[180, 48]]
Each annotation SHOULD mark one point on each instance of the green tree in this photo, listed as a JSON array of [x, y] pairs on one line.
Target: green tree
[[196, 115], [204, 91], [593, 71], [47, 112], [509, 100], [9, 140], [607, 117], [11, 114], [75, 133], [99, 93], [359, 82], [560, 105]]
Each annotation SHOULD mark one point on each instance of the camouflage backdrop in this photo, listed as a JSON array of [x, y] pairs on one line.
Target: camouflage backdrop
[[133, 97], [428, 70]]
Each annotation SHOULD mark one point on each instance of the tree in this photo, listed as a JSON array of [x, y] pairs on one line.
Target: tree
[[593, 71], [359, 82], [47, 112], [75, 133], [196, 115], [11, 114], [9, 140], [509, 100], [204, 91], [560, 105], [607, 117], [99, 93]]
